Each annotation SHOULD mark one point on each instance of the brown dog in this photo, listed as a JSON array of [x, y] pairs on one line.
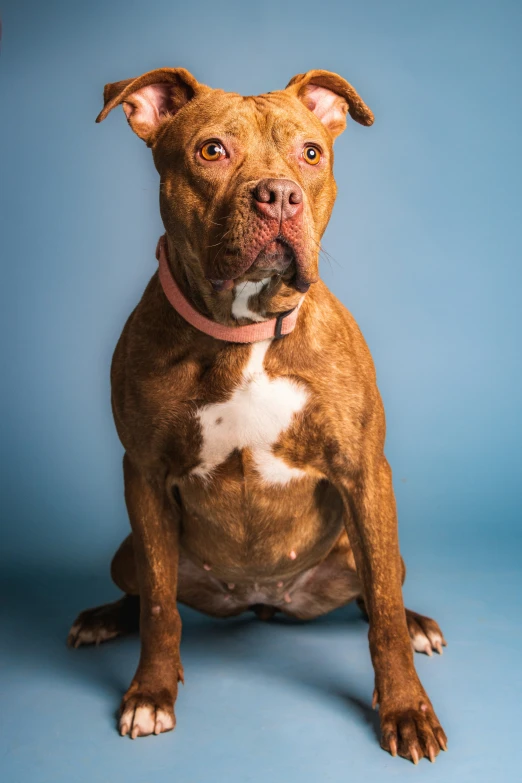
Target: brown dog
[[254, 470]]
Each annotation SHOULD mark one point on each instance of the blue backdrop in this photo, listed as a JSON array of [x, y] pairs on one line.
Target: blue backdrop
[[424, 244]]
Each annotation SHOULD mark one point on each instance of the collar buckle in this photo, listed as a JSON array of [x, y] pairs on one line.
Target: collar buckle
[[279, 323]]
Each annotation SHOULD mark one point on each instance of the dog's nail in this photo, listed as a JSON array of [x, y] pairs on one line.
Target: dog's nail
[[375, 700], [124, 729], [135, 732], [438, 647], [428, 650], [393, 746], [414, 755], [431, 753], [207, 567], [288, 599], [158, 728]]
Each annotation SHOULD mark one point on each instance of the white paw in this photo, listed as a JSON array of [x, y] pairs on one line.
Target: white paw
[[145, 720], [427, 642], [79, 635]]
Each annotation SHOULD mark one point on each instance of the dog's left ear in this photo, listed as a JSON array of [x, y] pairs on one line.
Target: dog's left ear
[[330, 98], [151, 99]]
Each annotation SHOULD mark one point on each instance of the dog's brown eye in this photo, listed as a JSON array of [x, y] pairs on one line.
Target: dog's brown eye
[[311, 154], [213, 150]]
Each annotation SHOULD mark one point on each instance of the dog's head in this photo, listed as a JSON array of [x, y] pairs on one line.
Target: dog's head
[[247, 186]]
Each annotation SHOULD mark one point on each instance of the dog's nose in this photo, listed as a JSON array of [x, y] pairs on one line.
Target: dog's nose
[[278, 198]]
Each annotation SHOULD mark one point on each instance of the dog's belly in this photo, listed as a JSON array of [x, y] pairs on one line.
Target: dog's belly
[[309, 593], [248, 514], [258, 412], [243, 530]]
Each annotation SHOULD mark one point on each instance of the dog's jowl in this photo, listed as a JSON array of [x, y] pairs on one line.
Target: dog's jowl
[[245, 398]]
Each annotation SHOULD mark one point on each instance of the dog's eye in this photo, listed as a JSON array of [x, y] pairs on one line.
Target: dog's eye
[[213, 150], [311, 154]]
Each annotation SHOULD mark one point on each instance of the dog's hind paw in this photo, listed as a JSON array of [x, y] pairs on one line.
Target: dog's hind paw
[[79, 635], [94, 626], [425, 633]]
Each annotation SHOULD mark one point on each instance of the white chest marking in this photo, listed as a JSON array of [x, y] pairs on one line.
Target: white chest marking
[[244, 291], [257, 413]]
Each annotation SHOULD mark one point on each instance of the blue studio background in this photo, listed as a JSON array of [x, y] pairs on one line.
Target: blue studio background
[[425, 251]]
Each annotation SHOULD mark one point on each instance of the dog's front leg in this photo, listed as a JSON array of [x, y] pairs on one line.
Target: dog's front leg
[[409, 725], [148, 705]]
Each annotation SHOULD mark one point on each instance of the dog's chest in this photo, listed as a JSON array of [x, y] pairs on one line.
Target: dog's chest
[[259, 410]]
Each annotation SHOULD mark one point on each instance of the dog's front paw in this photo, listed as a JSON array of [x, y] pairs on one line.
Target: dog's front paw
[[412, 731], [145, 712]]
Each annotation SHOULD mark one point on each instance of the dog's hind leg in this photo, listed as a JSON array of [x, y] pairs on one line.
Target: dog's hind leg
[[335, 582], [118, 618]]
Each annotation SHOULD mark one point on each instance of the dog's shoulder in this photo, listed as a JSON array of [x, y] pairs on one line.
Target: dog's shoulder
[[328, 333]]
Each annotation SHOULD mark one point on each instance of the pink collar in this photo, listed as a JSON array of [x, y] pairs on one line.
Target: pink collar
[[251, 333]]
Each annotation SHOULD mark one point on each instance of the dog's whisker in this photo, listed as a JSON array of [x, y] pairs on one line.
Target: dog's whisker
[[327, 256], [219, 223]]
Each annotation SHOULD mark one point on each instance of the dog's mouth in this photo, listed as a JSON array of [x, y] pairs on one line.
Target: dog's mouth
[[277, 257]]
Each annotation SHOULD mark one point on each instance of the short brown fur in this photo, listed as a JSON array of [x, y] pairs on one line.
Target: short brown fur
[[210, 543]]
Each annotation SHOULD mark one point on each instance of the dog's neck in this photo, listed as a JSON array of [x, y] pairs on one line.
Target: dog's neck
[[247, 302]]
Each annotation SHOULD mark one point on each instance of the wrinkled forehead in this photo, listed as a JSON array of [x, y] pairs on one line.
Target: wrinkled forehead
[[277, 118]]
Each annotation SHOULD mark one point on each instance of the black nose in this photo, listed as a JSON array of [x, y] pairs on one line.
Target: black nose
[[278, 198]]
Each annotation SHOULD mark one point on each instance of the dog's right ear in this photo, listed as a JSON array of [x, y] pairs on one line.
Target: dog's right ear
[[150, 99], [330, 98]]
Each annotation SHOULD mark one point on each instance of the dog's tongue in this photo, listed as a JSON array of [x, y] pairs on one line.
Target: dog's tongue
[[222, 285]]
